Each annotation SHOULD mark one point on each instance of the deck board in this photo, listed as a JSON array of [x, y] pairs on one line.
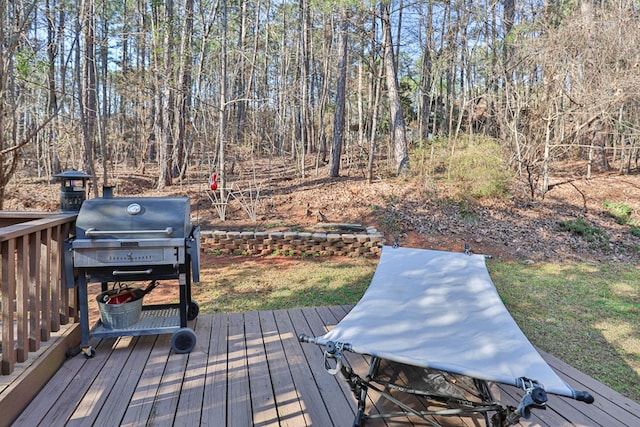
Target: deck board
[[287, 400], [332, 315], [262, 399], [311, 399], [611, 404], [214, 407], [104, 380], [193, 383], [165, 403], [248, 369], [121, 396], [239, 402], [336, 392], [143, 397]]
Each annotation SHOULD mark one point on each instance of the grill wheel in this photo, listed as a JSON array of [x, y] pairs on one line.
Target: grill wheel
[[183, 340], [193, 310]]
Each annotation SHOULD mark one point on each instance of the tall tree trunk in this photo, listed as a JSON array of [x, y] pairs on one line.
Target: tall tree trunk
[[304, 83], [377, 76], [599, 145], [51, 154], [397, 125], [165, 102], [7, 160], [396, 52], [508, 19], [341, 83], [425, 85], [324, 91], [183, 96], [240, 96], [102, 120], [89, 105], [223, 106], [124, 66], [145, 58], [251, 73], [507, 117]]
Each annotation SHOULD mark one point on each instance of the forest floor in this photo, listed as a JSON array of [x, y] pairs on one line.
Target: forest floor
[[420, 212]]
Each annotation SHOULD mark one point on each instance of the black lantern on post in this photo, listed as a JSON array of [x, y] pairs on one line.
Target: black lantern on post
[[73, 189]]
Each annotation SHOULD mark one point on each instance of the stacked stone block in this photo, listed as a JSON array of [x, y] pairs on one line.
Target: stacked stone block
[[293, 243]]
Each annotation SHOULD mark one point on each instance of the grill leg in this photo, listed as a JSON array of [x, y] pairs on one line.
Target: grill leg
[[83, 305], [184, 302]]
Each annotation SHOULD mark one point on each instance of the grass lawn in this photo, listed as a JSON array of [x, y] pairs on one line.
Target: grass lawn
[[587, 315], [241, 283]]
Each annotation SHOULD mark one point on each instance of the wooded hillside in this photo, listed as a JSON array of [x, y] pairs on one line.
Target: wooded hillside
[[98, 85]]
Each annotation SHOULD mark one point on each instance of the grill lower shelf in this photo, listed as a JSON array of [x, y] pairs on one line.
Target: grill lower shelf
[[160, 320]]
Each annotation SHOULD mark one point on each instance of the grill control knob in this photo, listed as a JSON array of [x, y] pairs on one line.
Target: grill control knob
[[134, 209]]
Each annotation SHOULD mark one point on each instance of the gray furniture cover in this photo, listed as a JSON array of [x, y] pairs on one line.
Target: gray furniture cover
[[440, 310]]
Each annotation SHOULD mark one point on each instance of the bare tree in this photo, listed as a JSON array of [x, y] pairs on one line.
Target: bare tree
[[305, 84], [19, 125], [164, 61], [341, 83], [588, 74], [9, 41], [52, 161], [88, 93], [222, 134], [183, 111], [397, 125], [426, 75]]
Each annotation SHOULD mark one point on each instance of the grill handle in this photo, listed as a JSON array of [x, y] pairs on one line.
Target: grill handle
[[93, 232], [130, 272]]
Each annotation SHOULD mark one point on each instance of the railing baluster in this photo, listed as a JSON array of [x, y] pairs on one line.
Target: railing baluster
[[35, 305], [22, 300], [45, 273], [8, 296], [69, 289], [63, 233], [55, 279]]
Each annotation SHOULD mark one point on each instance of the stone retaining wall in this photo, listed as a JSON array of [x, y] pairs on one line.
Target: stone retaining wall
[[293, 243]]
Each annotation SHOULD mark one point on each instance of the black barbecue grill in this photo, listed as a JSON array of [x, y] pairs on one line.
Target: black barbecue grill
[[136, 239]]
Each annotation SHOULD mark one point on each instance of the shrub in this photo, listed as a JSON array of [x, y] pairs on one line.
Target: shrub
[[474, 166], [581, 227], [621, 212]]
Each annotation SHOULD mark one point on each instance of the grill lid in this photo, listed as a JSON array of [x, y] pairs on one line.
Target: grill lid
[[134, 218]]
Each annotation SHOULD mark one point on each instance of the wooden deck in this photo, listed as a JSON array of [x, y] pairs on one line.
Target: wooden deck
[[248, 369]]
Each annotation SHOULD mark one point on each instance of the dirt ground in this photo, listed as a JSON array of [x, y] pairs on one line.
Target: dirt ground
[[418, 212]]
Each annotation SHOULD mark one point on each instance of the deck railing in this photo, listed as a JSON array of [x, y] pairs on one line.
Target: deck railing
[[35, 298]]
